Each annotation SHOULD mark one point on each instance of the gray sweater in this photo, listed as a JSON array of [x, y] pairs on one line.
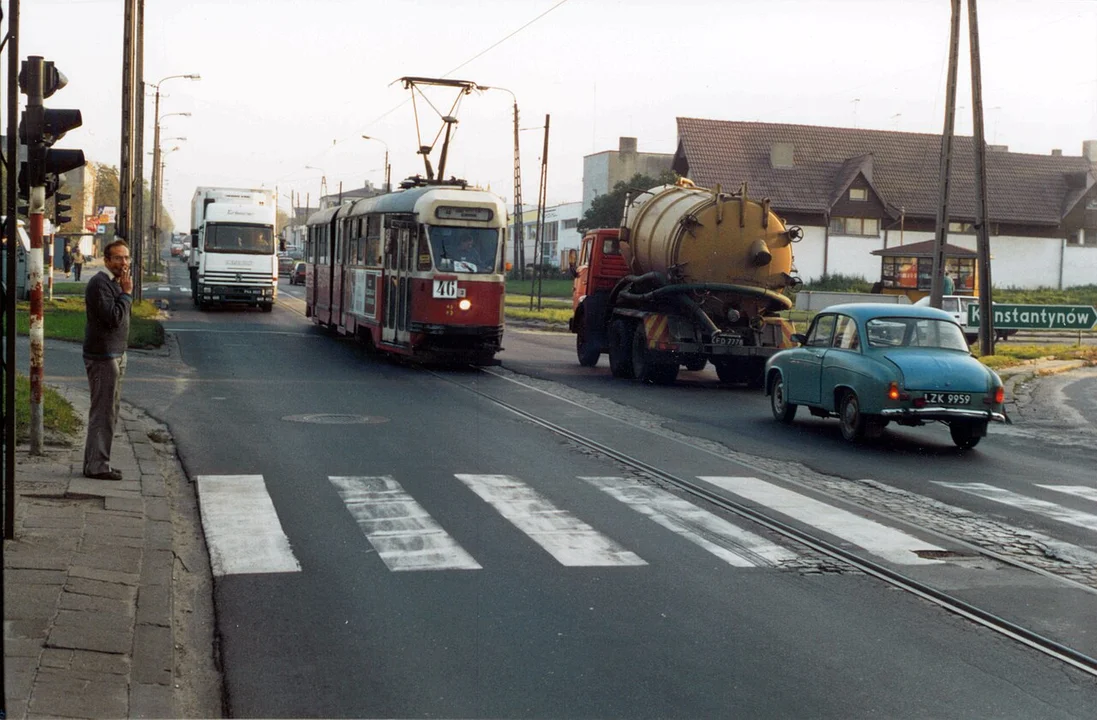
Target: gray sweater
[[108, 326]]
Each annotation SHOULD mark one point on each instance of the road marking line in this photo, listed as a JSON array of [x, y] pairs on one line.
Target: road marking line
[[567, 538], [404, 534], [1079, 490], [242, 529], [1040, 507], [880, 540], [732, 544]]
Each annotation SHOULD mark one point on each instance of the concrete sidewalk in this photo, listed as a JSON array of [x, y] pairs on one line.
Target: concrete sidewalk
[[107, 592]]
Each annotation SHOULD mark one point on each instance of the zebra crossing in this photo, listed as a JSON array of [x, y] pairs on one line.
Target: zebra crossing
[[245, 535]]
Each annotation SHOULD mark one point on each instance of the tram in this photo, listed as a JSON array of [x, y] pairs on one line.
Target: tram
[[417, 272]]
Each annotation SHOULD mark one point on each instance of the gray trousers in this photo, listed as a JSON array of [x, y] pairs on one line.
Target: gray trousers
[[105, 379]]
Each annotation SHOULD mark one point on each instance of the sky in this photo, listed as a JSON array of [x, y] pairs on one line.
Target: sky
[[288, 88]]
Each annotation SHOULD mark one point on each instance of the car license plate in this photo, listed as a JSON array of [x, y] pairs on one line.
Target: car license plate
[[727, 340], [948, 398]]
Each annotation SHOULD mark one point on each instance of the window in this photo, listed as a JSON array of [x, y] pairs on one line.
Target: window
[[961, 227], [822, 332], [868, 227], [858, 194], [845, 337], [571, 223]]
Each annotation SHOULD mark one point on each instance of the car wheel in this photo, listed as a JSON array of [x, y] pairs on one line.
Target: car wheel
[[783, 410], [966, 435], [850, 418], [620, 349], [587, 351]]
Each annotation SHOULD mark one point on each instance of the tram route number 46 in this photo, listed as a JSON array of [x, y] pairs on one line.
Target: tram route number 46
[[447, 289]]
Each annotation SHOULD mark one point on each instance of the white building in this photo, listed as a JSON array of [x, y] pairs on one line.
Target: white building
[[560, 234]]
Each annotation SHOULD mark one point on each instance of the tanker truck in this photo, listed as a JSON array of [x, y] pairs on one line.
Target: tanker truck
[[692, 276]]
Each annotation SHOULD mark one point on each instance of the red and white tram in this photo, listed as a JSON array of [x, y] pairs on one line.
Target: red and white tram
[[418, 272]]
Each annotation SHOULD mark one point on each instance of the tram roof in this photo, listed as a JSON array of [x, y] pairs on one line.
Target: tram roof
[[401, 201]]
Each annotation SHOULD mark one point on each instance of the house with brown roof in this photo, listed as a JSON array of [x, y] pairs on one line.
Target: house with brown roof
[[855, 191]]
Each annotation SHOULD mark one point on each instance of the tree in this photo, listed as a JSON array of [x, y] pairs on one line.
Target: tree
[[605, 210]]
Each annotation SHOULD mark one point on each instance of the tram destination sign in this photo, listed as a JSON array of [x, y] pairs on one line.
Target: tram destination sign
[[1037, 317]]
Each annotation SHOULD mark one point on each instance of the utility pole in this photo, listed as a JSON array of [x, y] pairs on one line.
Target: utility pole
[[519, 240], [125, 164], [9, 292], [982, 213], [137, 226], [941, 231], [539, 240]]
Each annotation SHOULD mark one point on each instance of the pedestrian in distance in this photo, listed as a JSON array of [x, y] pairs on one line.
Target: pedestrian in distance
[[66, 259], [77, 262], [108, 299]]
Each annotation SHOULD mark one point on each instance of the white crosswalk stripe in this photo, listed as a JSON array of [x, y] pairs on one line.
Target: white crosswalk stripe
[[242, 529], [405, 536], [1081, 491], [732, 544], [886, 542], [567, 538], [1031, 504]]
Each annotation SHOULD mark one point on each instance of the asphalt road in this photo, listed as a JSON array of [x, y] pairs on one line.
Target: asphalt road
[[408, 548]]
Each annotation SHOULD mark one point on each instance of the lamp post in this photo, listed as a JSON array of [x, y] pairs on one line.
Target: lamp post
[[156, 147], [519, 242], [388, 168], [158, 201]]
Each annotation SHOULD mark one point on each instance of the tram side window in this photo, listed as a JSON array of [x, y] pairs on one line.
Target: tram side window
[[423, 253], [373, 240], [391, 248]]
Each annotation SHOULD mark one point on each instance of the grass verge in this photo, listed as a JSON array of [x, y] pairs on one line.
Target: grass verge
[[65, 318], [58, 415]]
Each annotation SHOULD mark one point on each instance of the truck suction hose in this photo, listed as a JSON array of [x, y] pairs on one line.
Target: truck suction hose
[[679, 295]]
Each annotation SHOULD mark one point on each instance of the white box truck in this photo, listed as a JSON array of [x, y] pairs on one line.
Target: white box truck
[[233, 256]]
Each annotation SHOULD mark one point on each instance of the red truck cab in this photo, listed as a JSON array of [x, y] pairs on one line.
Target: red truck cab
[[600, 266]]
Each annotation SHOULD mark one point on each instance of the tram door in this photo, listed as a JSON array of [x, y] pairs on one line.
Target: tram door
[[397, 305]]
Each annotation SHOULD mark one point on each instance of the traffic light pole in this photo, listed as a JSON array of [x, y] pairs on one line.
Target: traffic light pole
[[35, 119]]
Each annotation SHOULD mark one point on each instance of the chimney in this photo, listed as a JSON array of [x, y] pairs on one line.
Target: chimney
[[627, 145], [1056, 152], [780, 155], [1089, 150]]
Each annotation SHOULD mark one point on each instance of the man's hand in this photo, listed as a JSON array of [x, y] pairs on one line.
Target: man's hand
[[126, 282]]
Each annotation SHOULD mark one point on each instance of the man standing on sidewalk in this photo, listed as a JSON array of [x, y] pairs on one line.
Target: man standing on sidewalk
[[108, 301]]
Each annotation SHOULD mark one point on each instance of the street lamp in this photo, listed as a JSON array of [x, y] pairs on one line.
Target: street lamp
[[156, 152], [388, 168]]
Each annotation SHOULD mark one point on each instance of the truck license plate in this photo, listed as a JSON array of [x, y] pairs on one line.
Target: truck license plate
[[727, 340], [445, 289]]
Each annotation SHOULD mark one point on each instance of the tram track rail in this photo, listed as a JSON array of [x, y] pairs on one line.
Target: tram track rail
[[893, 578]]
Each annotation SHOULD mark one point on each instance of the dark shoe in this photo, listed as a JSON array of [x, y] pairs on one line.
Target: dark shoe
[[108, 475]]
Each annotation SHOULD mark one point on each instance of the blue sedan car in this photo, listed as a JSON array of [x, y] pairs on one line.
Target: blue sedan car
[[871, 364]]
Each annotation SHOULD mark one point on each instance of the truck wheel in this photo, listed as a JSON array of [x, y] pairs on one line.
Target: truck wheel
[[620, 349], [643, 367], [696, 364], [587, 351], [728, 371]]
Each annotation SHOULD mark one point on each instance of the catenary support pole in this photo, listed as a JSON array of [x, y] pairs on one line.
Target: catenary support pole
[[125, 163], [137, 225], [941, 230], [982, 213]]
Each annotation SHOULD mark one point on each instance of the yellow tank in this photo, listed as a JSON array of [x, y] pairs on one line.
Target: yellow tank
[[698, 236]]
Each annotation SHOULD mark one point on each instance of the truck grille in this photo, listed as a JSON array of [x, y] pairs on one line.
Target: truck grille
[[234, 277]]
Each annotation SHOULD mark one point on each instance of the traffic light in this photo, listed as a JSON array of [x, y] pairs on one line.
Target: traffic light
[[42, 127], [59, 218]]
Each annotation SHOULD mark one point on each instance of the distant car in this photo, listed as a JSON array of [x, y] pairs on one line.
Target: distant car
[[956, 306], [176, 249], [297, 276], [871, 364], [285, 265], [185, 255]]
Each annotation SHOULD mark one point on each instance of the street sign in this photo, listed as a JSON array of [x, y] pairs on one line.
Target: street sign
[[1037, 317]]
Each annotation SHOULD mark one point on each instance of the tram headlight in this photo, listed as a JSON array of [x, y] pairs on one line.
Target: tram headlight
[[465, 304]]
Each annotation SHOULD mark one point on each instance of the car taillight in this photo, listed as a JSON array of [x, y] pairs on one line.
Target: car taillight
[[998, 397], [895, 394]]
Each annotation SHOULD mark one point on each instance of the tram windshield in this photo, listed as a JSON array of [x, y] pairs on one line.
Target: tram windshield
[[464, 249], [226, 237]]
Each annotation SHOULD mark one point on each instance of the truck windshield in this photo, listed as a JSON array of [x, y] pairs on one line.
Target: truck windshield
[[464, 249], [225, 237]]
